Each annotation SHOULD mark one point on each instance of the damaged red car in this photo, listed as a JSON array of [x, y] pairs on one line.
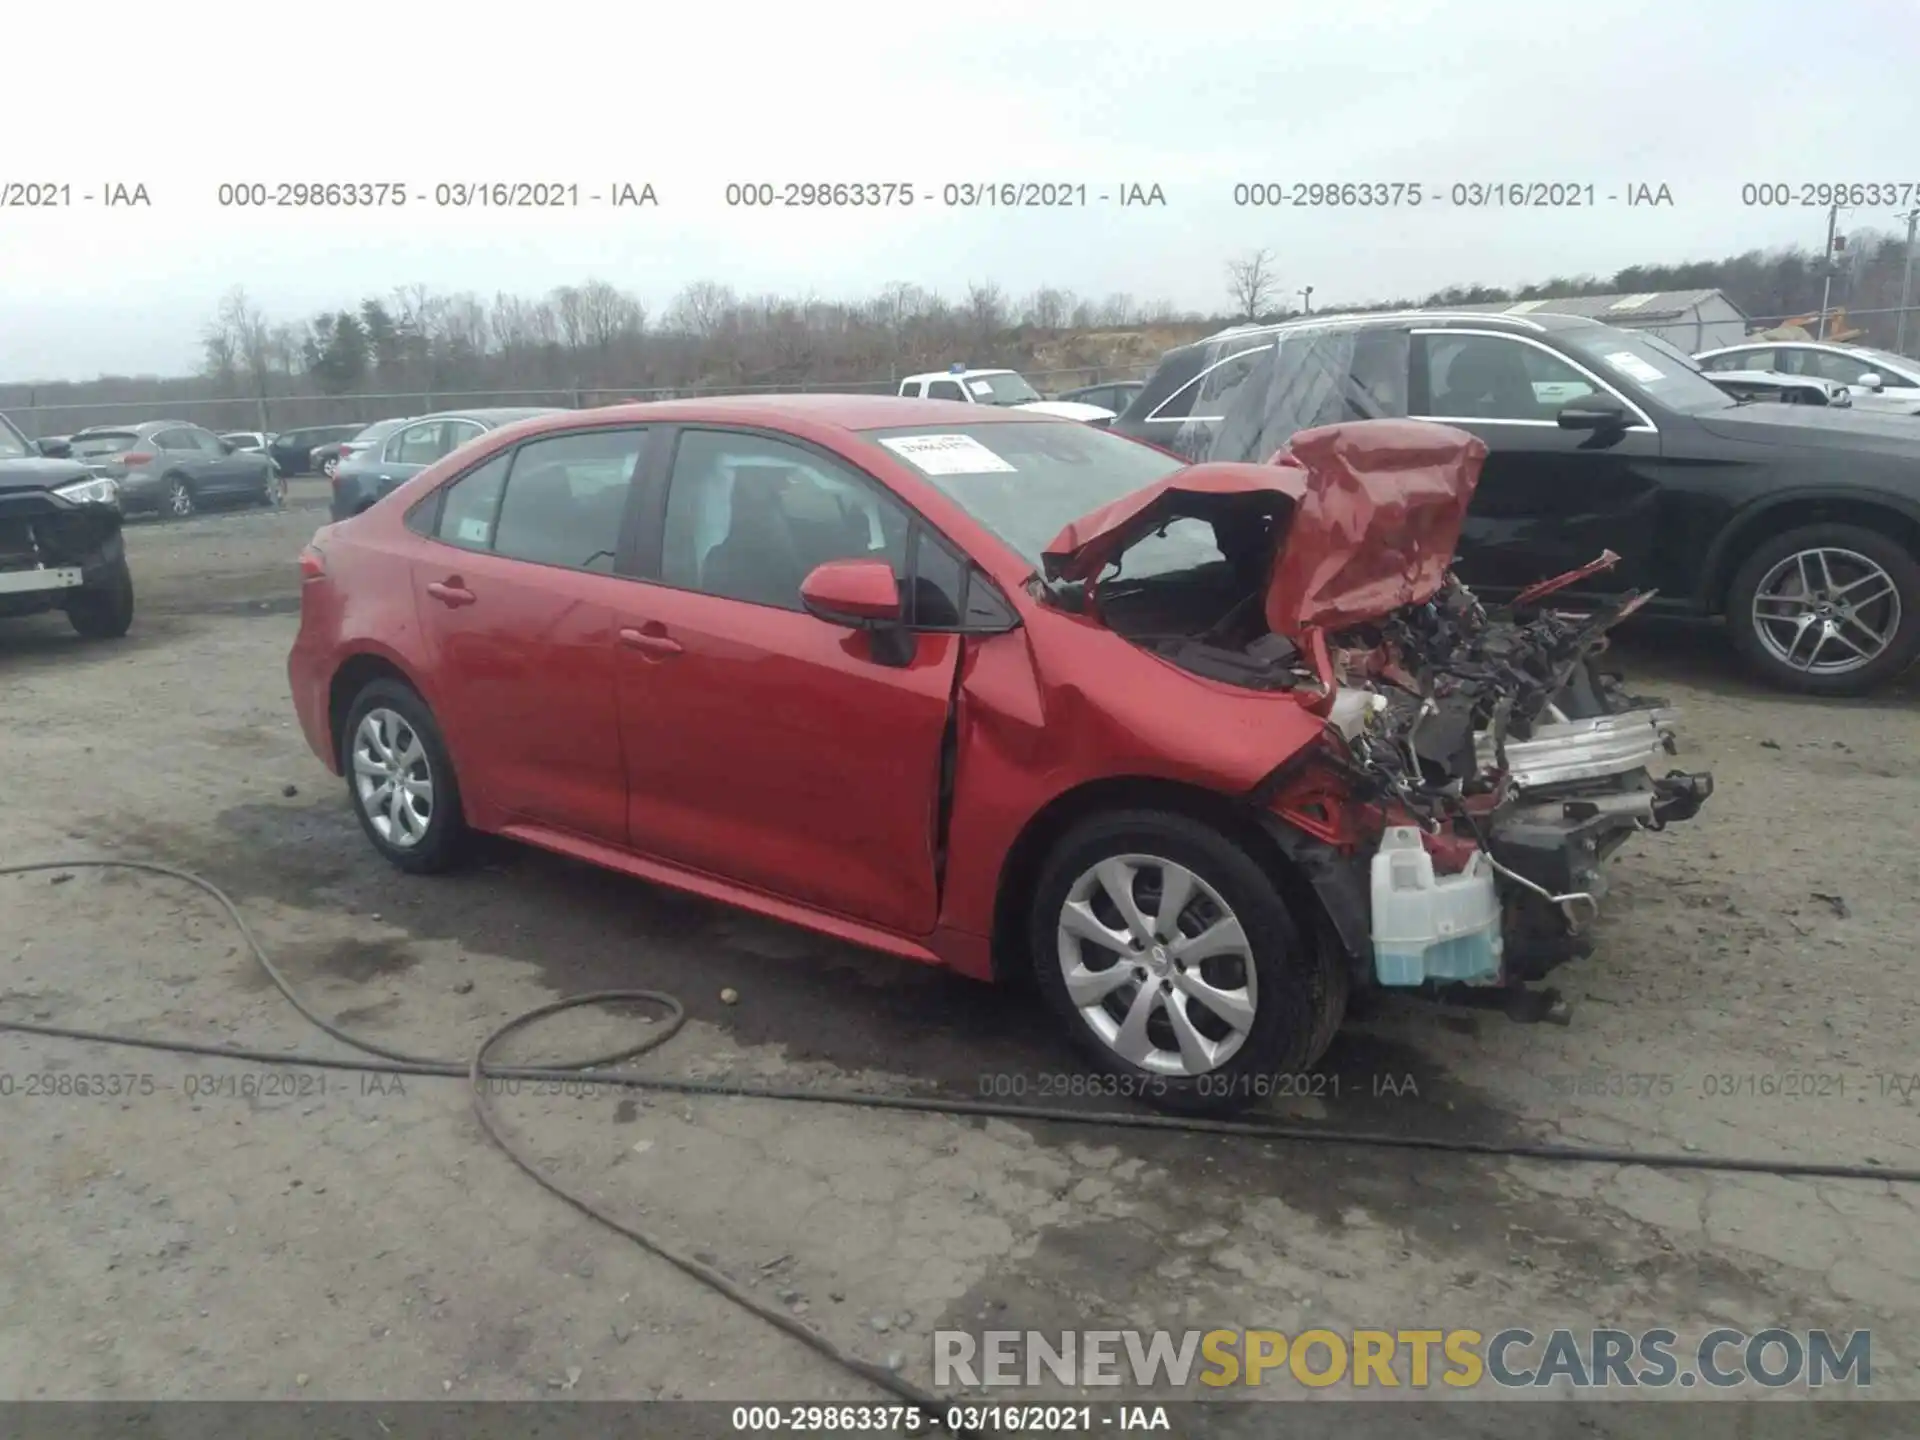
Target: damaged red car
[[1201, 749]]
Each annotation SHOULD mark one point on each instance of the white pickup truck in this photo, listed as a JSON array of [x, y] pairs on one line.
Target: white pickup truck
[[997, 387]]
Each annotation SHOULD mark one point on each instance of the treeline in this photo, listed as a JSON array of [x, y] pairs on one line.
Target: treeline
[[594, 342]]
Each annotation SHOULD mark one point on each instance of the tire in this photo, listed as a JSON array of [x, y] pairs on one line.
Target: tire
[[179, 504], [391, 710], [1858, 562], [1294, 996], [104, 611], [330, 465]]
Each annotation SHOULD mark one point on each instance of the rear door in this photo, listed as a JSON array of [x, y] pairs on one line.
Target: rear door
[[763, 745], [517, 591], [1549, 500]]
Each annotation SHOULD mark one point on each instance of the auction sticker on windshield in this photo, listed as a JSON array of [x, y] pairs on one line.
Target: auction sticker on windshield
[[947, 455], [1628, 363], [980, 387]]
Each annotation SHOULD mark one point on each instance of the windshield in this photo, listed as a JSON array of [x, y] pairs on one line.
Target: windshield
[[104, 442], [13, 445], [1653, 368], [1005, 388], [1026, 483]]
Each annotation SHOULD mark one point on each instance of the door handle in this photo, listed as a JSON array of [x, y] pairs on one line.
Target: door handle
[[451, 593], [656, 646]]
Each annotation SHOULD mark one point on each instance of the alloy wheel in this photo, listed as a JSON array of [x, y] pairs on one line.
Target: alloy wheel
[[1158, 965], [392, 778], [1826, 611], [180, 500]]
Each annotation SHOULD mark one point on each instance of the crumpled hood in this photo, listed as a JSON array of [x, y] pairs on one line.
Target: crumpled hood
[[40, 474], [1375, 512]]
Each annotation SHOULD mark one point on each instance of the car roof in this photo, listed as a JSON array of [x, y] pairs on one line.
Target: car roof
[[1538, 323], [499, 414], [956, 374], [844, 411]]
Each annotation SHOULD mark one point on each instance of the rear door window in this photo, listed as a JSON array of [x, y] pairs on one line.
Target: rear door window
[[566, 497]]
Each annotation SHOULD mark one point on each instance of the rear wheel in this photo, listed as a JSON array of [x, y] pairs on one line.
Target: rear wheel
[[329, 465], [104, 610], [1175, 963], [400, 780], [179, 498], [1827, 609]]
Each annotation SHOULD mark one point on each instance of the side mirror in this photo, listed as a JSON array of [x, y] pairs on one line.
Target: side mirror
[[228, 447], [1593, 412], [1872, 380], [53, 449], [860, 594]]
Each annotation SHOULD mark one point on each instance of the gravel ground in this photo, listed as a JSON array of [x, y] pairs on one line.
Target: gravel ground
[[216, 1230]]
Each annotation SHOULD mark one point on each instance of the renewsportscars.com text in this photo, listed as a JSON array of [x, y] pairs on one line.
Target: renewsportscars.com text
[[1459, 1359]]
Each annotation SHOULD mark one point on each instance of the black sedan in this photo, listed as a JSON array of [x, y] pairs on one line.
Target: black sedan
[[1798, 524], [292, 450], [174, 468]]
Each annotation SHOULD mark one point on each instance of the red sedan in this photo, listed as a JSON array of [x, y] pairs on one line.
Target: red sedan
[[979, 688]]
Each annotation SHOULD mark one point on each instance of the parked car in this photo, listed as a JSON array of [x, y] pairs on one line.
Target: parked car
[[1114, 395], [1799, 525], [293, 450], [174, 468], [996, 387], [60, 545], [378, 463], [1878, 379], [327, 458], [257, 441], [1780, 389], [838, 659]]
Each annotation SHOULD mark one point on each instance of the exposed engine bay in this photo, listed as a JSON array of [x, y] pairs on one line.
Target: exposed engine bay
[[1479, 764]]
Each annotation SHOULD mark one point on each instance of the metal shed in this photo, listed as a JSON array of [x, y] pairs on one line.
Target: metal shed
[[1694, 320]]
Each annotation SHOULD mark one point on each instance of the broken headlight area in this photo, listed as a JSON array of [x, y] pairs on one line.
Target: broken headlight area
[[42, 531], [1496, 737]]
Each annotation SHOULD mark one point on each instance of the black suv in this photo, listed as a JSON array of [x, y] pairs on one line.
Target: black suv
[[60, 540], [1799, 524]]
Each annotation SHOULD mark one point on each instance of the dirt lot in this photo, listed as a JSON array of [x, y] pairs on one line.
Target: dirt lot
[[199, 1238]]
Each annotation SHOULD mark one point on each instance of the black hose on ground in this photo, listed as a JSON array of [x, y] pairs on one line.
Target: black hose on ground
[[398, 1062]]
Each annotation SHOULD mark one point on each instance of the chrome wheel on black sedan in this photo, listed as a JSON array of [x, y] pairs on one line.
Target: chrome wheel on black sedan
[[1829, 609], [1826, 611]]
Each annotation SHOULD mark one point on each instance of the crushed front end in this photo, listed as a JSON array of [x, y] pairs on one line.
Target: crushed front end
[[1494, 734], [1477, 766]]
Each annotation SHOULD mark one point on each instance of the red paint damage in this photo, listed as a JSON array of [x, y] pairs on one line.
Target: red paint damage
[[1367, 518]]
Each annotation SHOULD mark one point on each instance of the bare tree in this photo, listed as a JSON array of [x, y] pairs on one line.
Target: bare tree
[[1250, 283]]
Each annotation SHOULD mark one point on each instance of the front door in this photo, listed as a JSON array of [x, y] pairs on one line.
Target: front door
[[1549, 500], [517, 595], [763, 745]]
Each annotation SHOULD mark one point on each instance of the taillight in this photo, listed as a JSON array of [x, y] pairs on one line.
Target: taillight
[[137, 457], [313, 563]]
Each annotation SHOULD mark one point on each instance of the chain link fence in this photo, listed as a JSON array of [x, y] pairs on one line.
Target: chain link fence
[[285, 412]]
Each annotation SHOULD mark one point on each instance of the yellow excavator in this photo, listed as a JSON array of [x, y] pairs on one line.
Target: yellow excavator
[[1807, 327]]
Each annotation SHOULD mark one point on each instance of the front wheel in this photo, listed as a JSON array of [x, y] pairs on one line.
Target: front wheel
[[1175, 963], [104, 610], [400, 779], [179, 498], [1827, 609]]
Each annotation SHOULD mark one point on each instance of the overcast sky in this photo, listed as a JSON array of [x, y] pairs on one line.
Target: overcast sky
[[1698, 97]]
